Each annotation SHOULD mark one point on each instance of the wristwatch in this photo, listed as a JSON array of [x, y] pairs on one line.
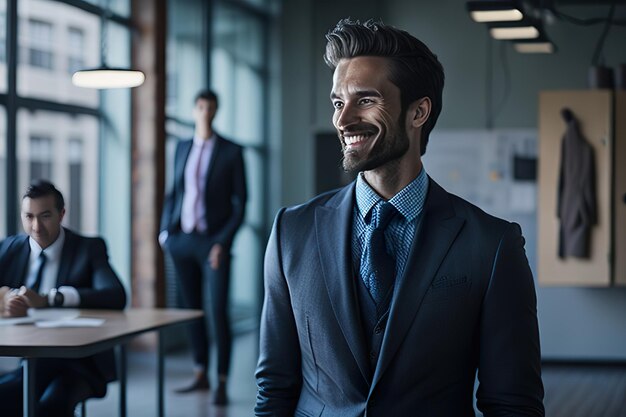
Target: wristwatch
[[56, 298]]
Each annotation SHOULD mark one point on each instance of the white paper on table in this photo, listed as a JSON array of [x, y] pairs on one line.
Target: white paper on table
[[76, 322], [9, 321], [53, 314]]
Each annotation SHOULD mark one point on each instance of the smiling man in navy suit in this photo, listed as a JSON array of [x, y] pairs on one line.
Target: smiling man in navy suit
[[386, 297], [51, 266]]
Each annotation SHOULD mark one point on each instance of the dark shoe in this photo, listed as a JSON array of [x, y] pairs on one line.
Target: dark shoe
[[199, 384], [220, 398]]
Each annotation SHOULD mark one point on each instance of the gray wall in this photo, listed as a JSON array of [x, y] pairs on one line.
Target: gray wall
[[575, 323]]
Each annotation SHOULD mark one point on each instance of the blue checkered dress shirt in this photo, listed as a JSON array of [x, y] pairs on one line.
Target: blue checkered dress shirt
[[400, 233]]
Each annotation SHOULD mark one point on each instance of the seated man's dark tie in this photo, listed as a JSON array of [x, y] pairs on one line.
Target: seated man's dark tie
[[380, 266], [39, 276]]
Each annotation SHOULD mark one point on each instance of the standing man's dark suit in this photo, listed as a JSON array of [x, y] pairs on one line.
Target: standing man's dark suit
[[388, 296], [83, 266], [224, 196], [200, 272]]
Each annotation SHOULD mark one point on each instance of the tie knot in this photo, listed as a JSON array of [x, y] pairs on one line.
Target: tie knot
[[385, 213], [42, 256]]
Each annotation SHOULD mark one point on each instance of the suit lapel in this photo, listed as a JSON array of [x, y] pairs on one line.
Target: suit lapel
[[21, 265], [333, 232], [183, 155], [67, 258], [213, 161], [439, 228]]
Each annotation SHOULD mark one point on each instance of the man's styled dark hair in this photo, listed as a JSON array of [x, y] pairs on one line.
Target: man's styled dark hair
[[43, 188], [207, 95], [414, 69]]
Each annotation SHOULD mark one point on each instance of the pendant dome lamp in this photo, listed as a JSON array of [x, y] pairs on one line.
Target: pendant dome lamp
[[105, 77]]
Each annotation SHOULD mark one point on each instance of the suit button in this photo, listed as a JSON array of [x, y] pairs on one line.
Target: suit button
[[378, 330], [372, 355]]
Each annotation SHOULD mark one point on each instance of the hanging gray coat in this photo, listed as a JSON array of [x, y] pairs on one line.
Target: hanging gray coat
[[576, 206]]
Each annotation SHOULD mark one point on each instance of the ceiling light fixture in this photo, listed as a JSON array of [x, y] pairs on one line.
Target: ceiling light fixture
[[105, 77], [535, 47], [518, 21], [494, 11], [514, 30]]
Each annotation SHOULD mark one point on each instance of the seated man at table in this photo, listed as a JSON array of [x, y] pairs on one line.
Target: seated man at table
[[51, 266]]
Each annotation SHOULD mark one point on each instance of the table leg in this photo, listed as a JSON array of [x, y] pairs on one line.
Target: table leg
[[28, 368], [161, 375], [122, 363]]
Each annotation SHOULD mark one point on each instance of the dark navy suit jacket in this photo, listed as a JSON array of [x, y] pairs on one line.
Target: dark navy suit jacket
[[465, 302], [224, 194], [84, 266]]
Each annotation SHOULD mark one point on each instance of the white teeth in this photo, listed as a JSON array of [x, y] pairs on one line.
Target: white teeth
[[351, 140]]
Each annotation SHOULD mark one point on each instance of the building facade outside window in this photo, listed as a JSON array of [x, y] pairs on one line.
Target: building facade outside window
[[76, 46], [40, 40], [40, 157]]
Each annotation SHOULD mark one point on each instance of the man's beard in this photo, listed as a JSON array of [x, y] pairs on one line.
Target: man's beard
[[390, 146]]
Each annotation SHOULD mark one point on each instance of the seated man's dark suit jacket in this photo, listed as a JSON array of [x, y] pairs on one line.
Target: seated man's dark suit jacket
[[466, 301], [84, 266]]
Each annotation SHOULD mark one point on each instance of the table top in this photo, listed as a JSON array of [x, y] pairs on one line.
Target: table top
[[27, 340]]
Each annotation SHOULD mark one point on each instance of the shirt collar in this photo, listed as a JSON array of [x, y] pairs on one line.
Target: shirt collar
[[53, 251], [197, 141], [409, 201]]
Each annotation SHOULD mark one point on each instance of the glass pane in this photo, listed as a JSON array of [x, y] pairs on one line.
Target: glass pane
[[247, 261], [54, 40], [64, 150], [237, 68], [3, 169], [237, 64], [117, 46], [186, 56], [121, 7], [240, 34], [265, 5], [3, 46], [115, 179]]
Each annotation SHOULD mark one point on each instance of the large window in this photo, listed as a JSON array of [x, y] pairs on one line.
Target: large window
[[77, 138], [238, 62], [239, 75], [236, 69]]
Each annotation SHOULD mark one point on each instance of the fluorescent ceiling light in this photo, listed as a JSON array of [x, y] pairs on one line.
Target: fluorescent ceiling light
[[510, 15], [514, 32], [108, 78], [534, 47]]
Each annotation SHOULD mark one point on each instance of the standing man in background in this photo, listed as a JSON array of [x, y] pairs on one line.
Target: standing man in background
[[200, 217], [51, 266], [386, 297]]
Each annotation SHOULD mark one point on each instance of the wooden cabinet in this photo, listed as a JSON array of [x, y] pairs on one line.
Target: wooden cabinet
[[602, 119]]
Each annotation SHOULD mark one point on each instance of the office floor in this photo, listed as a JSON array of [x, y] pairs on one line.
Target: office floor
[[142, 386], [571, 391]]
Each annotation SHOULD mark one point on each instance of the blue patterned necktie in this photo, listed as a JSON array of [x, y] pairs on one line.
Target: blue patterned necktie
[[378, 267]]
